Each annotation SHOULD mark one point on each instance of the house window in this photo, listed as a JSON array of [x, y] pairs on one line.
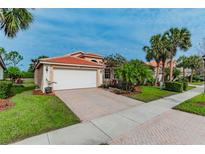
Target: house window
[[107, 73]]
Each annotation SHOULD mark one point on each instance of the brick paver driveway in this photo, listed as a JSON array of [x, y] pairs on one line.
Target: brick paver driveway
[[171, 127], [92, 103]]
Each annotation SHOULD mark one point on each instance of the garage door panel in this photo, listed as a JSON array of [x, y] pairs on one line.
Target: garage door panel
[[73, 79]]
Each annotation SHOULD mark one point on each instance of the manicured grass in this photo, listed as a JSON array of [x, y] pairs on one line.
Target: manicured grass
[[190, 87], [32, 115], [192, 106], [150, 93], [197, 83]]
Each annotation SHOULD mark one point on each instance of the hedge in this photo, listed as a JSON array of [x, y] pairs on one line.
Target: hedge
[[5, 89], [27, 74], [174, 86], [185, 86]]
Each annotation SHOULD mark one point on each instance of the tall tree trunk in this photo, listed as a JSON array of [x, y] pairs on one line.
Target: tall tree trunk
[[192, 72], [157, 75], [171, 69], [163, 72]]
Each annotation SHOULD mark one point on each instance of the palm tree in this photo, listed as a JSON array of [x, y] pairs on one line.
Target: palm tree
[[2, 52], [182, 62], [12, 20], [194, 63], [164, 53], [178, 39], [133, 73], [152, 53], [126, 74]]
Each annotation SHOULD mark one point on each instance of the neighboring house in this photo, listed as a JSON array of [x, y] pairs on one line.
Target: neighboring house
[[71, 71], [2, 68], [153, 64]]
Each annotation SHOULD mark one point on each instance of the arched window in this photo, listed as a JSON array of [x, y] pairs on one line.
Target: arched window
[[93, 60]]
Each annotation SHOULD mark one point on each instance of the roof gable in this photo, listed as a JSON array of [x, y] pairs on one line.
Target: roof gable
[[67, 59], [82, 54]]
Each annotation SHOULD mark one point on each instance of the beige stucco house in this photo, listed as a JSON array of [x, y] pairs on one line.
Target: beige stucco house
[[153, 64], [70, 71], [2, 68]]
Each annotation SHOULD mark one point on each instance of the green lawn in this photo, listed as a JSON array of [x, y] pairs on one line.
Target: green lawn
[[197, 83], [190, 87], [150, 93], [192, 105], [33, 115]]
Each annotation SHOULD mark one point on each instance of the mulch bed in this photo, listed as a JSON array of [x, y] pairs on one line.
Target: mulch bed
[[39, 92], [5, 104], [137, 90], [201, 103]]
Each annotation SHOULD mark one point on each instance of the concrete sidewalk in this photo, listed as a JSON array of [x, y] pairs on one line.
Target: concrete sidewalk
[[106, 128]]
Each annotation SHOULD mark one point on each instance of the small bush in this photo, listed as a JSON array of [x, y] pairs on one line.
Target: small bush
[[185, 86], [184, 81], [5, 89], [117, 91], [27, 74], [174, 86], [197, 78], [16, 89], [104, 86]]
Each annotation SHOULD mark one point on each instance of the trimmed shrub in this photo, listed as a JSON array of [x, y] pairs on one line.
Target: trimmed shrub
[[106, 86], [174, 86], [27, 74], [185, 85], [5, 89], [184, 81]]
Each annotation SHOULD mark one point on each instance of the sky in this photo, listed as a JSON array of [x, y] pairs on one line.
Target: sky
[[55, 32]]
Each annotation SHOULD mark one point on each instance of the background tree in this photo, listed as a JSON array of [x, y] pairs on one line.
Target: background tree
[[183, 62], [13, 58], [34, 61], [164, 53], [195, 63], [14, 19], [178, 39], [13, 73], [114, 60], [2, 52], [176, 73], [153, 53]]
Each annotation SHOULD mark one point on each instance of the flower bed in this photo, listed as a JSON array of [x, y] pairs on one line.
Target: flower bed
[[39, 92], [5, 104]]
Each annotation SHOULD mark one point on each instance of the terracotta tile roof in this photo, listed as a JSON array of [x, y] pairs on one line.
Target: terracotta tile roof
[[84, 54], [75, 53], [92, 55], [70, 60], [154, 63]]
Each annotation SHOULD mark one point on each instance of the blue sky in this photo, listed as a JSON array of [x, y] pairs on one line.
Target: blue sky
[[57, 32]]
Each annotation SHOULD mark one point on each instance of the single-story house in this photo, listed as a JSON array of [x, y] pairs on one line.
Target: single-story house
[[71, 71], [2, 68], [153, 64]]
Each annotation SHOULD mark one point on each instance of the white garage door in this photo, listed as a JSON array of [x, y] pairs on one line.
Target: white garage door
[[72, 79]]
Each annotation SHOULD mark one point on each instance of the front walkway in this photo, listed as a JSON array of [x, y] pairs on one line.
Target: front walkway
[[171, 127], [115, 128]]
